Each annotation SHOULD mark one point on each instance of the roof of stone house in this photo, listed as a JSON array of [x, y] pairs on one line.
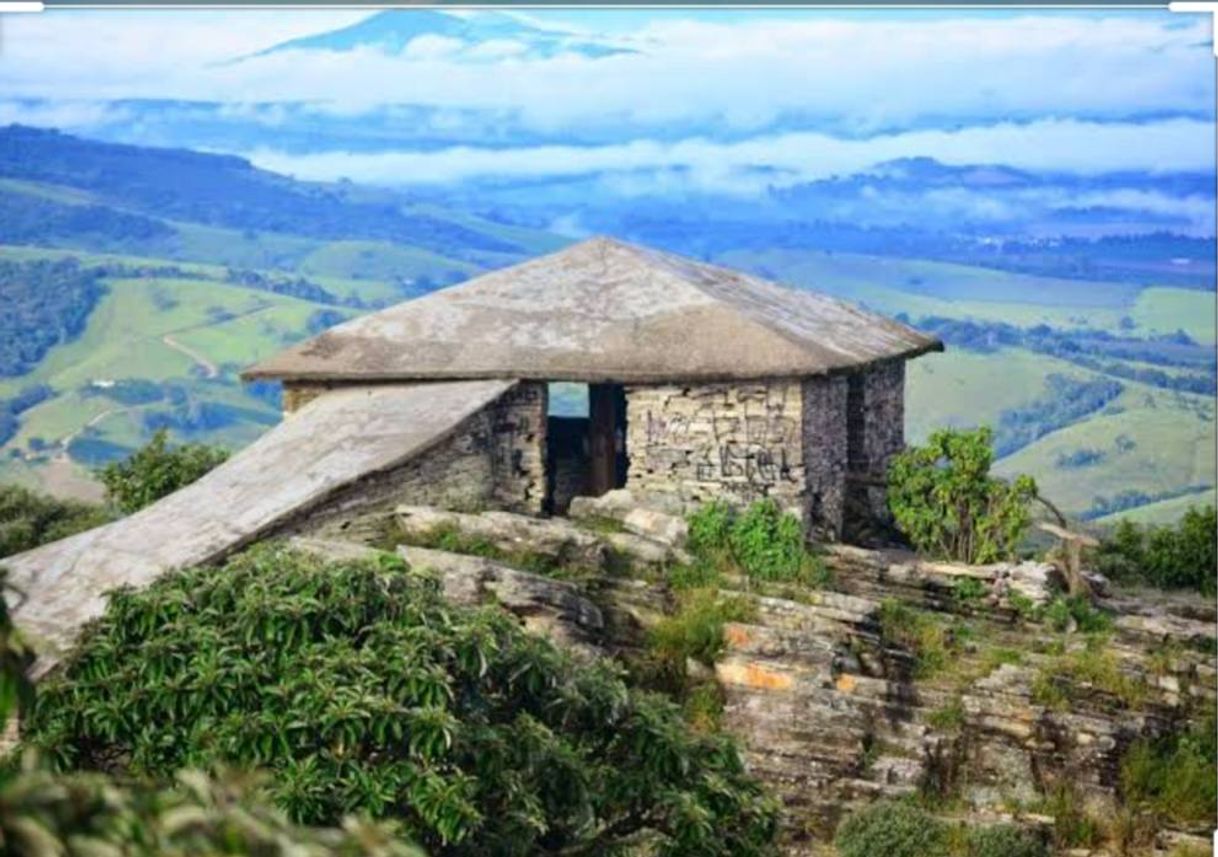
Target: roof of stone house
[[329, 445], [603, 310]]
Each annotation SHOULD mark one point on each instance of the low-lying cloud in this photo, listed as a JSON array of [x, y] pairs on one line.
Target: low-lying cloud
[[785, 159]]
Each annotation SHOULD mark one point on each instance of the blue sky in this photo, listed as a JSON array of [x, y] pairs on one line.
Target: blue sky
[[716, 97]]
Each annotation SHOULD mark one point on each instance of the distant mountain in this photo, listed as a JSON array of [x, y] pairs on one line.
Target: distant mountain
[[393, 31], [120, 182]]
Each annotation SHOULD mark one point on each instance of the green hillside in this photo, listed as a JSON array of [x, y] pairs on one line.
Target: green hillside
[[1102, 391]]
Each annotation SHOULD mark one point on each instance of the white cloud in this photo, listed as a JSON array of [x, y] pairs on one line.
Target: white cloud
[[871, 72], [784, 159]]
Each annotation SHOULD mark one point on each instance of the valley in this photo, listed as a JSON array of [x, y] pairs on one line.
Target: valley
[[194, 290]]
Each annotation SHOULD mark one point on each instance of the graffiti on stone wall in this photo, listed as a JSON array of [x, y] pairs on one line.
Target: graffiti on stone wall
[[737, 435]]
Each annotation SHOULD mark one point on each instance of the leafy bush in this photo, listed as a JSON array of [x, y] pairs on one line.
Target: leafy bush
[[1181, 557], [1175, 777], [768, 542], [944, 500], [710, 527], [763, 542], [28, 520], [1005, 840], [361, 690], [156, 470], [1063, 611], [76, 814], [891, 829], [42, 813]]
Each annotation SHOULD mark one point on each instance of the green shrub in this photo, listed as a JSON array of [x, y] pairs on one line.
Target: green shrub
[[1181, 557], [763, 542], [917, 632], [43, 813], [1063, 611], [28, 520], [1175, 777], [968, 591], [156, 470], [695, 630], [1005, 840], [891, 829], [767, 542], [944, 500], [359, 689], [709, 528]]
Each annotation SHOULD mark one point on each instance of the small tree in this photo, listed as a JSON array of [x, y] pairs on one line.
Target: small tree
[[1183, 556], [29, 519], [156, 470], [945, 501]]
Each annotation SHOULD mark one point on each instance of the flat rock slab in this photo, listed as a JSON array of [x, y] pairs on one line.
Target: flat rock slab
[[331, 442], [557, 540]]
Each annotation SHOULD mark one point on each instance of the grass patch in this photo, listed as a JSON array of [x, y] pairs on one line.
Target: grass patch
[[1091, 666], [931, 643], [1176, 777], [450, 538], [703, 707], [949, 717], [695, 630]]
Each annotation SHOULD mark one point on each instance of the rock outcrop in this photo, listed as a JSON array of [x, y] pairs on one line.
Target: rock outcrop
[[555, 540], [902, 677]]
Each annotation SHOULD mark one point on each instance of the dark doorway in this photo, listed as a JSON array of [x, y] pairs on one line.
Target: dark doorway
[[585, 443], [606, 438]]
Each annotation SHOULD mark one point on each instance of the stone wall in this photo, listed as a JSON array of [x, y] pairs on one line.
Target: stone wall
[[876, 432], [738, 442], [785, 439], [495, 459], [824, 437]]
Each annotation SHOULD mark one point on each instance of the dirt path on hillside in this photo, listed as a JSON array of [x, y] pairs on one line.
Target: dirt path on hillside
[[67, 439], [209, 369]]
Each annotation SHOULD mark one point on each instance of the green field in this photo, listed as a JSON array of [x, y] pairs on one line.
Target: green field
[[1173, 439], [1166, 439], [1164, 511], [925, 288], [193, 330]]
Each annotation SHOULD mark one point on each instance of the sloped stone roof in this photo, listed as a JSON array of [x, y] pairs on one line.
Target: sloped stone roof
[[328, 444], [603, 310]]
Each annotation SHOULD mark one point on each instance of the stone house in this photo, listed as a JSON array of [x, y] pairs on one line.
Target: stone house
[[701, 383]]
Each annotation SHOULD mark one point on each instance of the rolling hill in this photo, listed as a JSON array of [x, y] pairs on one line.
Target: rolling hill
[[204, 264]]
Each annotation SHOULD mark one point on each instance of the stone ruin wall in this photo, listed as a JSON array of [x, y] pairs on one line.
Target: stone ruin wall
[[494, 460], [691, 444], [824, 438], [876, 423], [784, 439]]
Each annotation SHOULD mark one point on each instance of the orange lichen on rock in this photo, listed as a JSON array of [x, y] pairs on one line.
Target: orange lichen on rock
[[752, 675]]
